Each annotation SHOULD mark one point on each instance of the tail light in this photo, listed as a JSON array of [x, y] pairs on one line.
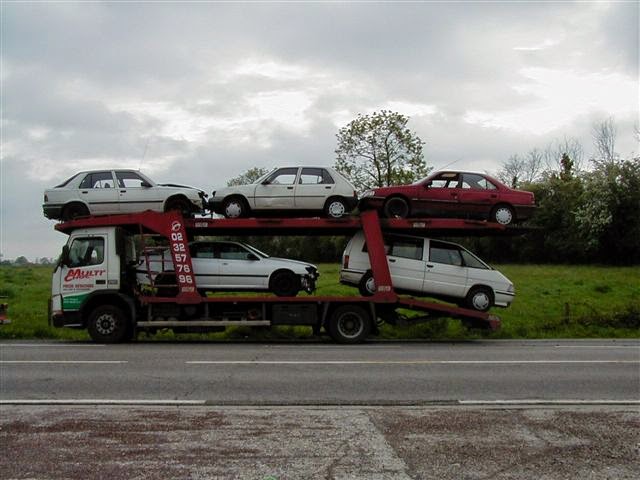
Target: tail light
[[46, 199], [345, 261], [355, 194]]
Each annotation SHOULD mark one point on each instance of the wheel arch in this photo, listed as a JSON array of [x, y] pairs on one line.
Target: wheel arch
[[75, 201], [397, 195], [114, 298], [176, 196]]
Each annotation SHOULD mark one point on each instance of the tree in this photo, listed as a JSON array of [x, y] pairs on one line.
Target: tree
[[21, 260], [379, 150], [518, 170], [555, 151], [247, 177], [604, 140]]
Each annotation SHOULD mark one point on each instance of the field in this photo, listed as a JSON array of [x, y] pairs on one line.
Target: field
[[553, 301]]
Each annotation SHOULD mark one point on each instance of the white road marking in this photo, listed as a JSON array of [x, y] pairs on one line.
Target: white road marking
[[637, 347], [548, 402], [61, 362], [49, 345], [404, 362], [101, 401]]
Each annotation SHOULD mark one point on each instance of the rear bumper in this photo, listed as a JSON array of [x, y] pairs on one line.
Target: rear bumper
[[524, 211], [53, 212], [215, 204]]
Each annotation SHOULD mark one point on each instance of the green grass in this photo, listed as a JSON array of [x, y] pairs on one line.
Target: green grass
[[552, 301]]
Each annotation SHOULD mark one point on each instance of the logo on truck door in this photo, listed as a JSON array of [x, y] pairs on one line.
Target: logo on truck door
[[80, 274]]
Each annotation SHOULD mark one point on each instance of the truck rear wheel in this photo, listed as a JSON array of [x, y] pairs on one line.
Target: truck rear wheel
[[349, 324], [108, 324]]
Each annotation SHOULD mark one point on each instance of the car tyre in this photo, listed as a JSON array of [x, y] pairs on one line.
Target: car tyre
[[396, 207], [109, 324], [349, 324], [178, 205], [503, 214], [285, 284], [367, 285], [336, 207], [480, 299], [234, 207], [73, 211]]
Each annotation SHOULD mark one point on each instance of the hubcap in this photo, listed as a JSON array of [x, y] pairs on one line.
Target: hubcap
[[350, 325], [481, 301], [336, 209], [106, 324], [370, 285], [233, 210], [504, 216]]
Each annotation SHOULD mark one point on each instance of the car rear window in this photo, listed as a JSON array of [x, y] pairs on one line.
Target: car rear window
[[476, 182], [66, 182], [98, 180]]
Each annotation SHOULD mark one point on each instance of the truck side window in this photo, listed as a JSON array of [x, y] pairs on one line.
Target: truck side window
[[445, 253], [84, 252]]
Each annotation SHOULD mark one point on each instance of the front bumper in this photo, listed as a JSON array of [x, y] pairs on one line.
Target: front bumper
[[371, 203], [308, 281]]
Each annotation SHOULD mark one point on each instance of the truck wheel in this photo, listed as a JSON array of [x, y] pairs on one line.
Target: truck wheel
[[349, 324], [396, 207], [285, 284], [74, 211], [336, 207], [367, 285], [108, 324], [479, 298]]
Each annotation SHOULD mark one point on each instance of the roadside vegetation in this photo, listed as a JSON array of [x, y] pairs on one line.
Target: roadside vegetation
[[553, 301]]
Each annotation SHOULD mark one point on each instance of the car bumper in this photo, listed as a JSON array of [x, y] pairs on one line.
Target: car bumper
[[351, 277], [503, 299], [524, 211], [215, 204], [53, 212], [308, 281], [371, 203]]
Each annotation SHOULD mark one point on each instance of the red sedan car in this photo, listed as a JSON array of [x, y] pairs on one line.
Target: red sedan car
[[452, 194]]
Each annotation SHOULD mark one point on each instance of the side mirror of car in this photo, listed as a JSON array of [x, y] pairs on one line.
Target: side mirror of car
[[427, 185], [265, 182], [145, 184], [252, 256]]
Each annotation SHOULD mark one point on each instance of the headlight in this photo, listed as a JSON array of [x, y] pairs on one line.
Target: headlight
[[511, 288], [367, 193]]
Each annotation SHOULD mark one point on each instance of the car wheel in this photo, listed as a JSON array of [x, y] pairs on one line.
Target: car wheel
[[234, 208], [73, 211], [396, 207], [108, 324], [502, 214], [285, 284], [479, 298], [367, 285], [336, 208], [178, 205], [349, 324]]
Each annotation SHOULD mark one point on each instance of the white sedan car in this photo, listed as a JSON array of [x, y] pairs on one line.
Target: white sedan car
[[223, 265], [301, 190], [102, 192], [430, 267]]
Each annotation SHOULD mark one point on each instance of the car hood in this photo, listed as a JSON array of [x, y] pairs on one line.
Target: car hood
[[287, 261], [243, 189], [175, 185], [384, 191]]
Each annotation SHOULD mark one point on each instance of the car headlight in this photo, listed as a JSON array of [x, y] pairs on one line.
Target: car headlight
[[367, 193], [511, 288]]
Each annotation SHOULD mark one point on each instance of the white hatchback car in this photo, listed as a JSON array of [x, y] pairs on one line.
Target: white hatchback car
[[102, 192], [224, 265], [430, 267], [299, 189]]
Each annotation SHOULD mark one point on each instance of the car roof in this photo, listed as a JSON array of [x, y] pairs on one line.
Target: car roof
[[477, 172], [109, 170]]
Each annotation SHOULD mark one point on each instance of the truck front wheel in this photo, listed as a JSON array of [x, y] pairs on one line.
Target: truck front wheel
[[108, 324], [349, 324]]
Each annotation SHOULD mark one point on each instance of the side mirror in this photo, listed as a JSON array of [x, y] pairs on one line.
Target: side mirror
[[252, 256], [427, 185], [64, 258], [265, 182], [145, 184]]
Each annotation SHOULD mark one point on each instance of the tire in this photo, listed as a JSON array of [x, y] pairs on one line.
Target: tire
[[285, 284], [503, 214], [73, 211], [234, 207], [178, 205], [349, 324], [396, 207], [109, 324], [479, 298], [336, 207], [367, 286]]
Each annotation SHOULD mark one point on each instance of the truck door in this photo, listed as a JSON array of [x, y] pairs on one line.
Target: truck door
[[83, 271]]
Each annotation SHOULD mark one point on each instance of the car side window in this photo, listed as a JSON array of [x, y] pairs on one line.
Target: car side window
[[204, 251], [471, 261], [476, 182], [129, 180], [231, 251], [84, 252], [445, 253], [314, 176], [411, 248], [445, 180], [97, 180], [283, 176]]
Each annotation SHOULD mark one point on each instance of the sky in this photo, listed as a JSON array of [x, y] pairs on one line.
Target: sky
[[197, 93]]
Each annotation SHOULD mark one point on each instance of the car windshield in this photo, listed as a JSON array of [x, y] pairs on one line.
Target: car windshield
[[256, 251]]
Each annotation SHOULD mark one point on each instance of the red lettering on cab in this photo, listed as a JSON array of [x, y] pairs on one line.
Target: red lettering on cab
[[79, 274]]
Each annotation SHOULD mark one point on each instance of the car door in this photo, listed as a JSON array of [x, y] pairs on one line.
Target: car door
[[97, 190], [239, 267], [277, 191], [136, 194], [476, 195], [206, 266], [439, 196], [314, 186], [406, 264], [445, 273]]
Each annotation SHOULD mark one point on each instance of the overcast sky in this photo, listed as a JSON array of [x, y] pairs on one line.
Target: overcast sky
[[214, 89]]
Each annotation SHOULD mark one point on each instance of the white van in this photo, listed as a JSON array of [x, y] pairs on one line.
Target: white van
[[430, 267]]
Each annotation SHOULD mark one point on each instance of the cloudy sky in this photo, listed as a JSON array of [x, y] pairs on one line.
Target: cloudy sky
[[212, 89]]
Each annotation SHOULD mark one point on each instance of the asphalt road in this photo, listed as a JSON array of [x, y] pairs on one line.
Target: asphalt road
[[406, 373]]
